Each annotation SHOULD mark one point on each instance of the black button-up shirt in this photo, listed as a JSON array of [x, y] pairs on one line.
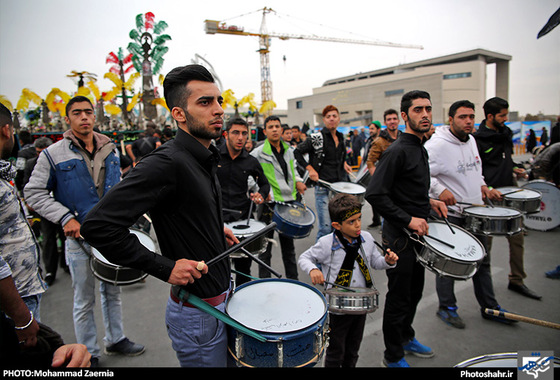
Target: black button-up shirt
[[178, 186], [233, 176], [398, 189]]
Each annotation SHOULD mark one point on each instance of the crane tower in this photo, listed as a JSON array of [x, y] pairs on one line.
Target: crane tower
[[218, 27]]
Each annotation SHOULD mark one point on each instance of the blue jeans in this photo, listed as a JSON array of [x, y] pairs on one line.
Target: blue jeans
[[198, 338], [83, 283], [322, 210], [33, 303]]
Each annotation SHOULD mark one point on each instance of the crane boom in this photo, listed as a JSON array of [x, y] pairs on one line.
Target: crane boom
[[218, 27]]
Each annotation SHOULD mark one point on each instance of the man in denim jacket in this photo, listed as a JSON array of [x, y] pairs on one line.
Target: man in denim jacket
[[78, 170]]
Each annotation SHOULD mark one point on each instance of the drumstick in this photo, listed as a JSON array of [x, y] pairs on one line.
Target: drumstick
[[260, 262], [512, 192], [242, 243], [380, 247], [449, 225], [521, 318], [341, 286], [472, 204], [441, 241]]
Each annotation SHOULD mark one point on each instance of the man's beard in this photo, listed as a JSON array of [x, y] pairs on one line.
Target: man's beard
[[199, 130], [497, 124], [417, 128]]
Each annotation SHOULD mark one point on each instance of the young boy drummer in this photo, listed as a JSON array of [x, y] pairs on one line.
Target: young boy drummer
[[345, 258]]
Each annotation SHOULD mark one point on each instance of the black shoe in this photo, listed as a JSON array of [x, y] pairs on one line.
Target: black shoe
[[524, 290], [49, 279], [94, 362]]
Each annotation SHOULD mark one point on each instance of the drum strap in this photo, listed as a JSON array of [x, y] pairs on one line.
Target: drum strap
[[352, 254]]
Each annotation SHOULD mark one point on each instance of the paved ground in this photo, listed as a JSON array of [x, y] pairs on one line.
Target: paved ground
[[144, 307]]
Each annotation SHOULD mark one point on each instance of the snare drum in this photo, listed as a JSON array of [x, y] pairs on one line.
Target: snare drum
[[362, 176], [505, 360], [461, 262], [242, 231], [493, 220], [116, 274], [355, 301], [524, 200], [348, 188], [293, 220], [548, 216], [291, 316]]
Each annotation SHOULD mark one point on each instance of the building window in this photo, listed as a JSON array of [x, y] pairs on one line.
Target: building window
[[458, 75], [299, 104], [394, 92]]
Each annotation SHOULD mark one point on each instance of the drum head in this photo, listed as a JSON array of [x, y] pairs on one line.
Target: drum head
[[494, 212], [295, 214], [348, 188], [520, 193], [467, 247], [241, 229], [276, 306], [144, 238]]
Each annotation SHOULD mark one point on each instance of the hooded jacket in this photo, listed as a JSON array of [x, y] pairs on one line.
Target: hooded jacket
[[496, 149], [456, 166]]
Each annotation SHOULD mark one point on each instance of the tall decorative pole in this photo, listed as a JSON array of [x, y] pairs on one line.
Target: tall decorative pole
[[147, 51]]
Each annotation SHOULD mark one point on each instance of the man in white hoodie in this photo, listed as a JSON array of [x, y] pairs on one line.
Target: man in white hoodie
[[456, 176]]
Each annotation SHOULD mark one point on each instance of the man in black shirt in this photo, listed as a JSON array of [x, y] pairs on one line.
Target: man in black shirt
[[234, 171], [178, 186], [327, 161], [398, 190]]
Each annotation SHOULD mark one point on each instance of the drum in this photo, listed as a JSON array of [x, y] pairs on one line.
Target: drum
[[291, 316], [116, 274], [493, 220], [460, 262], [524, 200], [362, 176], [505, 360], [355, 301], [293, 220], [548, 216], [242, 231], [348, 188]]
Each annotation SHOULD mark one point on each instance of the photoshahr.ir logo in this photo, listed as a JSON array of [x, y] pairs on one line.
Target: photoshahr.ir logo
[[535, 365]]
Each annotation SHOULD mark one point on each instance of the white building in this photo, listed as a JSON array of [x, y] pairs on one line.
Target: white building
[[362, 98]]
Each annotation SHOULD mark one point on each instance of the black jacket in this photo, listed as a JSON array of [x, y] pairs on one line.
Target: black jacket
[[233, 176], [495, 149]]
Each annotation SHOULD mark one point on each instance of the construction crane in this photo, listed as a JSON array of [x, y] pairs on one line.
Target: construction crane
[[214, 27]]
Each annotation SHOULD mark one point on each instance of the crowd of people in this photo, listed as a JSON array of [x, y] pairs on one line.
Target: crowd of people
[[88, 194]]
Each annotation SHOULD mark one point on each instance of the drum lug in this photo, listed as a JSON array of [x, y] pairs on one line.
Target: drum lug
[[238, 347], [280, 347]]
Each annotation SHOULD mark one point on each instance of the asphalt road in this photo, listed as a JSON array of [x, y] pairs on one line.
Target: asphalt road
[[144, 310]]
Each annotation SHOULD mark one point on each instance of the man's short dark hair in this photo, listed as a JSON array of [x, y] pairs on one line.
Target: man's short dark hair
[[271, 118], [42, 142], [77, 99], [5, 116], [458, 104], [175, 84], [494, 105], [236, 121], [406, 101], [25, 137], [342, 204], [390, 111]]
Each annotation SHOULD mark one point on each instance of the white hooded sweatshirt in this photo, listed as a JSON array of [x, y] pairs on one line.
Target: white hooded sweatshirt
[[456, 166]]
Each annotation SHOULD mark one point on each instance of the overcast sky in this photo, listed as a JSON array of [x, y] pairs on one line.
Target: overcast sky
[[43, 41]]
